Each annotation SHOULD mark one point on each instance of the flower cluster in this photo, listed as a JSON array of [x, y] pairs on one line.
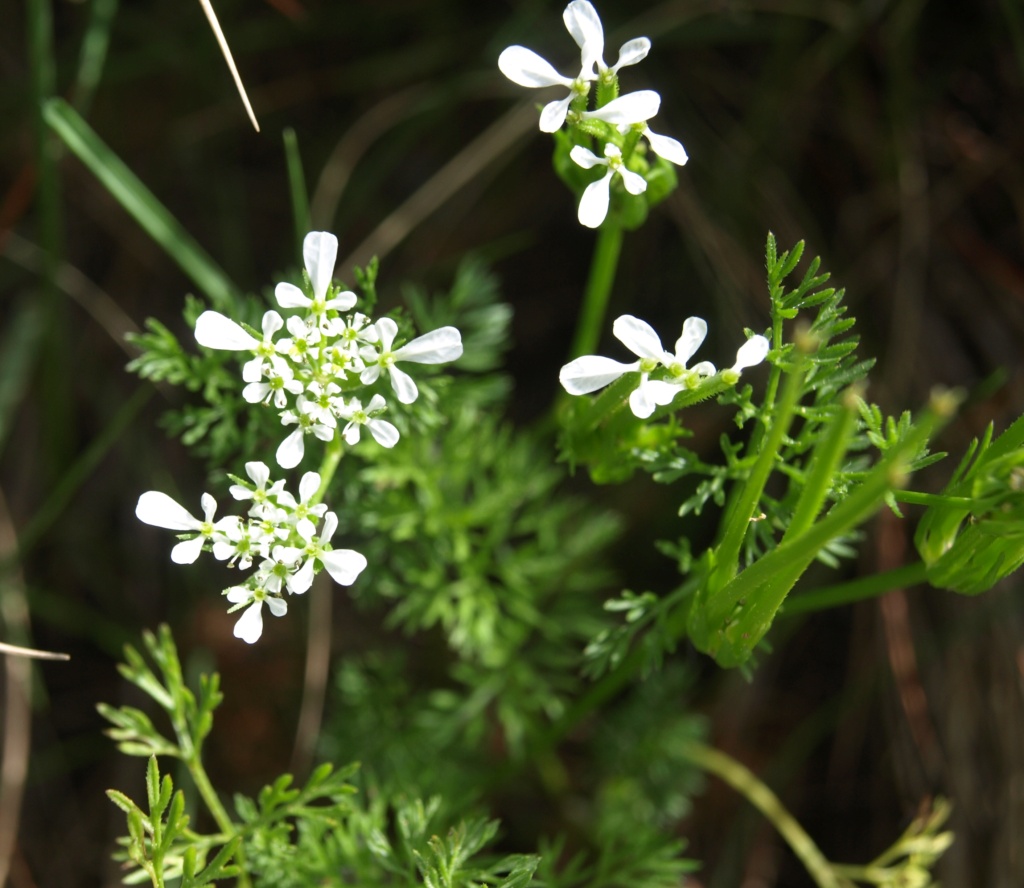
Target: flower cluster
[[309, 375], [278, 534], [592, 372], [618, 122]]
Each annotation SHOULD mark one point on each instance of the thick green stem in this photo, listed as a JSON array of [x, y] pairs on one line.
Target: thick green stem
[[761, 797], [599, 288]]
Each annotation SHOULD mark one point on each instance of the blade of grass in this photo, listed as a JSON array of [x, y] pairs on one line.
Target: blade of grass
[[18, 350], [93, 54], [140, 202], [297, 188]]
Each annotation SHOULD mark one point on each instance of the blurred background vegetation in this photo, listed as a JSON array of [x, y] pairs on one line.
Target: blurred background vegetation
[[888, 133]]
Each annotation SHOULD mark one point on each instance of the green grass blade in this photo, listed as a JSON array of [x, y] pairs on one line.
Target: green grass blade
[[140, 203], [297, 188], [93, 54]]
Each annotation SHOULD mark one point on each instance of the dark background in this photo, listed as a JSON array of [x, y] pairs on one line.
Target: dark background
[[889, 135]]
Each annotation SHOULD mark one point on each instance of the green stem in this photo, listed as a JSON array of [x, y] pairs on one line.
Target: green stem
[[738, 521], [745, 782], [827, 458], [934, 499], [210, 797], [856, 590], [332, 456], [599, 287]]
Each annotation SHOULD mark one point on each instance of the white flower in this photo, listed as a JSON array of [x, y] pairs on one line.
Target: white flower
[[526, 68], [436, 347], [279, 379], [303, 338], [159, 510], [265, 350], [319, 253], [384, 433], [344, 565], [584, 25], [261, 497], [291, 450], [240, 542], [594, 203], [301, 510], [250, 625], [592, 372]]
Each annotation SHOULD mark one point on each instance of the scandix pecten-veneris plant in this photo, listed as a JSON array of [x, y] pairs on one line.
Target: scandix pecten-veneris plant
[[456, 522]]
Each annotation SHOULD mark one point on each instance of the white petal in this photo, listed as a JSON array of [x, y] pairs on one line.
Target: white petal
[[377, 402], [272, 322], [634, 107], [634, 182], [344, 565], [160, 510], [631, 52], [213, 330], [319, 253], [351, 433], [660, 391], [289, 453], [594, 203], [343, 301], [590, 373], [639, 337], [309, 485], [436, 347], [187, 551], [255, 392], [524, 67], [704, 368], [387, 329], [641, 403], [259, 472], [403, 386], [250, 625], [552, 115], [667, 147], [238, 594], [252, 371], [694, 332], [290, 296], [584, 24], [384, 433], [330, 525], [278, 606], [752, 352], [369, 374], [209, 505], [300, 581], [586, 158]]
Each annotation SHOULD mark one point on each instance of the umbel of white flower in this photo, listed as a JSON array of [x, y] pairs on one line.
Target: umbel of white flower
[[302, 375], [592, 372], [278, 533], [624, 114]]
